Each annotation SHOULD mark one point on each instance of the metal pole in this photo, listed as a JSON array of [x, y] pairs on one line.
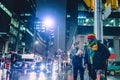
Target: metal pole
[[98, 24], [34, 38], [17, 39], [59, 53], [58, 35]]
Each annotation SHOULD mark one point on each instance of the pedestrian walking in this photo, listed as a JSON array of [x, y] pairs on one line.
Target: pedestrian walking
[[96, 56], [77, 62]]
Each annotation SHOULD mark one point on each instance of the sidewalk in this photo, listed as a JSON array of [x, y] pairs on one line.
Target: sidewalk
[[67, 75]]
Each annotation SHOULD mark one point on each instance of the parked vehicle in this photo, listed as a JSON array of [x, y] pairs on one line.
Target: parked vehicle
[[24, 63], [28, 60], [18, 65], [114, 68], [28, 63], [40, 67]]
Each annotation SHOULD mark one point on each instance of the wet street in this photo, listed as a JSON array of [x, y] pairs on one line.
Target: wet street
[[18, 75]]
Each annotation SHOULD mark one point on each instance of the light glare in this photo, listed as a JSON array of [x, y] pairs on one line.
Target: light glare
[[48, 22]]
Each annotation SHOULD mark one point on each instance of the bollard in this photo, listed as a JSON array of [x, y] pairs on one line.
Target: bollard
[[4, 74], [0, 74]]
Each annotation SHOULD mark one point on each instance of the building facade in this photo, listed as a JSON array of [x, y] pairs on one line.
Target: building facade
[[17, 25]]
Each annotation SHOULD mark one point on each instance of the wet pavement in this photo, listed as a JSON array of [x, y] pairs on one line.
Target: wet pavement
[[54, 75], [64, 75]]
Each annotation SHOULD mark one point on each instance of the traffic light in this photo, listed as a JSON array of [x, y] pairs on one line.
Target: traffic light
[[107, 3], [90, 4], [87, 2], [114, 4]]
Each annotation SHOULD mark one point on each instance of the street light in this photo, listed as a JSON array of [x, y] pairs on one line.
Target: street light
[[45, 28], [48, 23]]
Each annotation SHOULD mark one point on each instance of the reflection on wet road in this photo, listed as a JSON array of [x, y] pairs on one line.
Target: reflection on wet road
[[18, 75]]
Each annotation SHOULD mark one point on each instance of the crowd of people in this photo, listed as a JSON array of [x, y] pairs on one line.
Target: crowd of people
[[92, 58]]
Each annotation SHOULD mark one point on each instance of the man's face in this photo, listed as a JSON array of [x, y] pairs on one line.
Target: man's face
[[90, 41], [77, 46]]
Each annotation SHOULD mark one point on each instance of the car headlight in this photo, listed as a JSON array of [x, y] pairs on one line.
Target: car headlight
[[32, 66], [42, 66]]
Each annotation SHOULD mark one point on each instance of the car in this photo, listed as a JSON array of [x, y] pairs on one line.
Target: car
[[114, 68], [18, 65], [23, 64], [40, 67], [28, 64], [28, 60]]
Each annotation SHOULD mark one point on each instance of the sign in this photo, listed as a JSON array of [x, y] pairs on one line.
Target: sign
[[28, 56], [107, 12]]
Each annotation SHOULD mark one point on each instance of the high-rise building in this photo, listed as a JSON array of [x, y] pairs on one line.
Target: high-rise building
[[17, 24]]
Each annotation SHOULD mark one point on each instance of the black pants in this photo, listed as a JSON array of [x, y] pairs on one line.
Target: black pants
[[91, 73], [77, 69]]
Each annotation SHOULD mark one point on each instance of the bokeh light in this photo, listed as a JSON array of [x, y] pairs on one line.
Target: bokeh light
[[48, 22]]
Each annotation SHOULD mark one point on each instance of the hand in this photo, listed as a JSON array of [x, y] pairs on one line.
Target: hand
[[89, 47], [79, 52]]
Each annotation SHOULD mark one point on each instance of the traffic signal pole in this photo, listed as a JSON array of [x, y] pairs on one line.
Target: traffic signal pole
[[98, 23]]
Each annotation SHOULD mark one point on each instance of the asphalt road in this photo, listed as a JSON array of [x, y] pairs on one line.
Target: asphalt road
[[18, 75]]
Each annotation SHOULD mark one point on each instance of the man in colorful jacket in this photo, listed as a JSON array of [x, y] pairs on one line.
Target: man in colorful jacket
[[96, 56]]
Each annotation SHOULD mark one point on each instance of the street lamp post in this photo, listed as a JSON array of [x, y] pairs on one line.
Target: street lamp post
[[17, 38], [34, 38], [59, 51], [45, 28], [98, 25], [48, 22], [58, 35]]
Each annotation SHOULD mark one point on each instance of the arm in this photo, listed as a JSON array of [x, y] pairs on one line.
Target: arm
[[85, 55]]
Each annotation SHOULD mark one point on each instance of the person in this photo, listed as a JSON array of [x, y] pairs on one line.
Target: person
[[96, 56], [77, 61], [76, 48]]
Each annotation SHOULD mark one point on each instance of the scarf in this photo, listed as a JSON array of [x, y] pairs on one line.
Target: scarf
[[93, 47]]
